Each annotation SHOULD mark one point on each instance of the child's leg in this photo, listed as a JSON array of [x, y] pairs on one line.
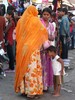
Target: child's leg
[[58, 90], [57, 86]]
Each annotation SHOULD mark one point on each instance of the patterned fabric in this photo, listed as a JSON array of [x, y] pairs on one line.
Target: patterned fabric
[[46, 60], [32, 83], [29, 38], [51, 31], [47, 70]]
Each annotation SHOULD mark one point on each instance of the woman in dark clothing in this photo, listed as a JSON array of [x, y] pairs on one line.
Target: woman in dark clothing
[[9, 39]]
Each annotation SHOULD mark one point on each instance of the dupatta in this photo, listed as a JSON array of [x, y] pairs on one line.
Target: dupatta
[[30, 35]]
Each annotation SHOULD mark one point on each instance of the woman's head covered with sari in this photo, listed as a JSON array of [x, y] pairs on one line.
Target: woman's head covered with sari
[[30, 35]]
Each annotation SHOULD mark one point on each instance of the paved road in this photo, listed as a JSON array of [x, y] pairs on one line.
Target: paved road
[[67, 92]]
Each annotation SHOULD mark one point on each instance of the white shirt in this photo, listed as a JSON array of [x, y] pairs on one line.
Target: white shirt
[[56, 65]]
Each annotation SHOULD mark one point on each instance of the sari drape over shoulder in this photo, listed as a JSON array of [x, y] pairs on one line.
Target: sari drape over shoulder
[[30, 35]]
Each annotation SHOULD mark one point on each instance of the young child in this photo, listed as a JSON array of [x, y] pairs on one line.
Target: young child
[[58, 67]]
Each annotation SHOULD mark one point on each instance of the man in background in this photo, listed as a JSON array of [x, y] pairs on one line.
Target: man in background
[[64, 33]]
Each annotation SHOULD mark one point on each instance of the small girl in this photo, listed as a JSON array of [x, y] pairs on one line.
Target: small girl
[[58, 68]]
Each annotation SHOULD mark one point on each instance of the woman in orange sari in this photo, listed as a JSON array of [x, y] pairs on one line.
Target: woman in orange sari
[[30, 35]]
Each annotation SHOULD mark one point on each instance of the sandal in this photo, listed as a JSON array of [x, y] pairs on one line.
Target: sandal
[[23, 94], [32, 96]]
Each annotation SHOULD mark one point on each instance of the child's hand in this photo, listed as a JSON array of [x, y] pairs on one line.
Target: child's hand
[[61, 72]]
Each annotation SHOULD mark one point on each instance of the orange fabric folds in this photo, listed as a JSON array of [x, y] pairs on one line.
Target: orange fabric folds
[[30, 35]]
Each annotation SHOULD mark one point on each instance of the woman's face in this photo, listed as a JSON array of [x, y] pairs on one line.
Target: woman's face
[[46, 16]]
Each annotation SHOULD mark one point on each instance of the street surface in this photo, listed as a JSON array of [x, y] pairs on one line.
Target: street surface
[[67, 91]]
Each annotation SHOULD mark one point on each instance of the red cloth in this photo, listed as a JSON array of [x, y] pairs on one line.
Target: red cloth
[[2, 27], [71, 28], [10, 1], [10, 33]]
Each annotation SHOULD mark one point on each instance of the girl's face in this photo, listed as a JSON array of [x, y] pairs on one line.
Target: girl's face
[[51, 54], [8, 16], [46, 16]]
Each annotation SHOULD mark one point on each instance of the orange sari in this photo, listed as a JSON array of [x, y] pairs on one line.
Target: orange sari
[[30, 35]]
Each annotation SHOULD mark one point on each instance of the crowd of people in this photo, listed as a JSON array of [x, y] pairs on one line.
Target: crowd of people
[[41, 44]]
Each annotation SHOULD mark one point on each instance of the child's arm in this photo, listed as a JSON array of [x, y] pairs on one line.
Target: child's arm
[[62, 64]]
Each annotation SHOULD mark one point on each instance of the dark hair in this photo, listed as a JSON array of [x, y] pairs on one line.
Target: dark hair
[[47, 10], [2, 9], [52, 49], [59, 9], [10, 7], [0, 12], [50, 7], [65, 10], [70, 14], [10, 12], [53, 14]]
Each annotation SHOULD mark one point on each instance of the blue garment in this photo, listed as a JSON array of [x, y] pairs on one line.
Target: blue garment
[[21, 9], [64, 26]]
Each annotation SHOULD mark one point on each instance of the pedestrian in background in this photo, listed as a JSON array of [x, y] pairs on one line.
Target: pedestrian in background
[[73, 32], [64, 33], [9, 40], [58, 42]]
